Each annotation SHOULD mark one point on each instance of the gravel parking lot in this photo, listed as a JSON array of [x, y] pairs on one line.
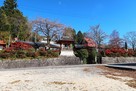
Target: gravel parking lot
[[61, 78]]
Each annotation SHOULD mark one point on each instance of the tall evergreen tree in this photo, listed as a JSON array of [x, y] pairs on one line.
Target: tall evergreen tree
[[126, 47], [79, 37], [81, 53], [4, 25], [17, 23], [10, 6]]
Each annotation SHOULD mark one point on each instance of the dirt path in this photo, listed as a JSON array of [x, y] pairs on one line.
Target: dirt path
[[61, 79]]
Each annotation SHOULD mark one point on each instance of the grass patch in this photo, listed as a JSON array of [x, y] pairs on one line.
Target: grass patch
[[132, 83]]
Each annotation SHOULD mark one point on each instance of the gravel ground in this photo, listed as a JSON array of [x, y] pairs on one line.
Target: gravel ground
[[119, 74], [69, 78]]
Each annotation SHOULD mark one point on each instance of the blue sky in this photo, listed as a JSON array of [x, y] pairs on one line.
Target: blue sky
[[81, 14]]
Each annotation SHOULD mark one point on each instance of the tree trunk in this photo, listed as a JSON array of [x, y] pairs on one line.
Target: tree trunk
[[9, 40], [48, 42]]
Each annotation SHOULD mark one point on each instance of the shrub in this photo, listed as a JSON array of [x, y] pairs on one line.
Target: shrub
[[4, 55], [13, 54], [55, 54], [49, 53], [42, 53], [102, 53], [18, 46], [20, 54], [130, 52], [21, 45], [8, 49], [32, 54], [117, 52], [108, 52], [35, 55], [82, 54], [92, 55], [99, 58]]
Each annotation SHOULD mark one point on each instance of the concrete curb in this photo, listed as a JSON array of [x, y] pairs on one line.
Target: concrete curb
[[126, 66]]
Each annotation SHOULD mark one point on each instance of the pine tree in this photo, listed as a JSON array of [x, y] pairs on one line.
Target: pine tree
[[4, 25], [17, 23], [10, 6], [79, 37], [126, 47]]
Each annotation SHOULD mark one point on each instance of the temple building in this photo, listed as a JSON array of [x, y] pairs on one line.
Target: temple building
[[66, 44], [87, 43]]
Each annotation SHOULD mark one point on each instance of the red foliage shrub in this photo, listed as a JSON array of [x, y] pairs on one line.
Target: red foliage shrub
[[119, 52], [18, 46], [23, 50], [114, 50], [122, 51], [21, 45], [108, 52], [9, 49]]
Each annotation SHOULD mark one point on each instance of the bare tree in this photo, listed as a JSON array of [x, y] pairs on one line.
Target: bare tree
[[130, 38], [97, 34], [71, 33], [115, 41], [50, 29]]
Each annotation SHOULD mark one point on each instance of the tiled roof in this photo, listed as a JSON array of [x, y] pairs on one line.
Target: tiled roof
[[90, 42], [66, 38], [2, 42]]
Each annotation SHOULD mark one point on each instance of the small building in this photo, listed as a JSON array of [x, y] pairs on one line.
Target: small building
[[66, 45], [2, 44], [90, 43], [87, 43]]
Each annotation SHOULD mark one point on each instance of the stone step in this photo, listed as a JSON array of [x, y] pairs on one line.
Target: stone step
[[67, 53]]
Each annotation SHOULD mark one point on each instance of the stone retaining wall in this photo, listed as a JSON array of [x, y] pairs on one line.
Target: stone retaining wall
[[112, 60], [39, 62], [6, 64]]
